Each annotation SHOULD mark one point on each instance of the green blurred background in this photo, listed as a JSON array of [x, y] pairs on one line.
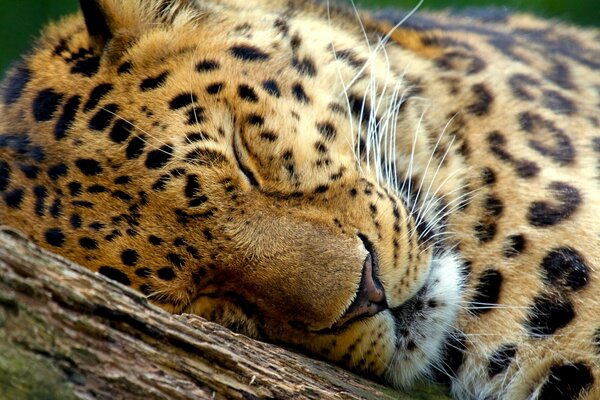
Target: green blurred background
[[20, 20]]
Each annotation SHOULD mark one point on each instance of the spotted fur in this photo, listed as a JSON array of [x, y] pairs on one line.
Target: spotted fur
[[248, 161]]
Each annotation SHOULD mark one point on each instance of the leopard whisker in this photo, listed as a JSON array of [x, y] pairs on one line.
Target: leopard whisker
[[432, 180], [384, 41]]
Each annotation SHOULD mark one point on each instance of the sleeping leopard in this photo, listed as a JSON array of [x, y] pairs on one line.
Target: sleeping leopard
[[411, 195]]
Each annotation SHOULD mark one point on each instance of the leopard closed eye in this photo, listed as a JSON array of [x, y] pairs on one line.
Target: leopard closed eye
[[410, 195]]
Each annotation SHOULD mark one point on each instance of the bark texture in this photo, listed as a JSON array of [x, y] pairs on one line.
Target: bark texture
[[67, 333]]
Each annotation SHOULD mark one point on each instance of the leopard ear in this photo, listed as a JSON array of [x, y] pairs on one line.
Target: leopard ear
[[97, 21], [106, 19]]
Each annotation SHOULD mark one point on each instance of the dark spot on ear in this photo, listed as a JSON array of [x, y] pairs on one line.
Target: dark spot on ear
[[207, 65], [272, 88], [15, 84], [154, 82], [567, 381], [129, 257], [548, 314], [103, 118], [487, 292], [120, 131], [45, 104], [159, 158], [135, 148], [514, 245], [166, 274], [55, 237], [247, 93], [565, 268], [115, 275], [544, 214], [88, 167], [501, 359], [95, 21], [183, 100], [67, 117], [96, 95], [249, 53]]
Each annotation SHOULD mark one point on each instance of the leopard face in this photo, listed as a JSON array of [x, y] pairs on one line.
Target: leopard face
[[307, 176], [217, 175]]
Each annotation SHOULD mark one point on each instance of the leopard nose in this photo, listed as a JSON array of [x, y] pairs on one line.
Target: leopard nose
[[370, 297]]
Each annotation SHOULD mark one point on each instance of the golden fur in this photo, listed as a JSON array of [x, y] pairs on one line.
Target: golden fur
[[241, 159]]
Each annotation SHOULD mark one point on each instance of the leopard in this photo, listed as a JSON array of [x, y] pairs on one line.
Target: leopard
[[412, 195]]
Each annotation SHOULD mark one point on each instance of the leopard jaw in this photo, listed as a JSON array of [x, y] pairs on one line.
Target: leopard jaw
[[423, 324]]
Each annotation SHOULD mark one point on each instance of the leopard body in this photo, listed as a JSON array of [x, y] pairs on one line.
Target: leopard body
[[248, 161]]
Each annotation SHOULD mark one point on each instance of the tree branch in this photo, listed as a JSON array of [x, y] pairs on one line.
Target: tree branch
[[66, 333]]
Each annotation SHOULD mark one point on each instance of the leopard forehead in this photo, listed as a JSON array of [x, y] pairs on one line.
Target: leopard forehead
[[259, 89]]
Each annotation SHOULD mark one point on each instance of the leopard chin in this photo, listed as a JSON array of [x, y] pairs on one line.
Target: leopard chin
[[424, 325]]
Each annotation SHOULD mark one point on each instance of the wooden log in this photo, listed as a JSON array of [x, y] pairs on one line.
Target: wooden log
[[67, 333]]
